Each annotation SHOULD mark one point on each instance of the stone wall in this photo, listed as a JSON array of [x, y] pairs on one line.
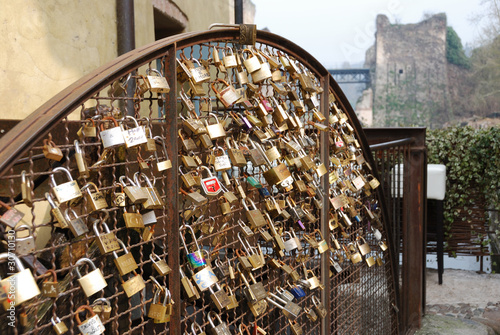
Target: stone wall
[[410, 81]]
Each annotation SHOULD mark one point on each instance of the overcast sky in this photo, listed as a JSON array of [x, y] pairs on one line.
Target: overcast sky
[[335, 31]]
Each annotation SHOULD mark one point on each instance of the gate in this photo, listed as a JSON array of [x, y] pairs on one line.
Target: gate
[[294, 114]]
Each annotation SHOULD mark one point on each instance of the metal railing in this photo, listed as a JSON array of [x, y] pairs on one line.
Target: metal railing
[[400, 157]]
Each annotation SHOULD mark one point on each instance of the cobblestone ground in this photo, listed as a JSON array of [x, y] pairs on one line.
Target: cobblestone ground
[[461, 310]]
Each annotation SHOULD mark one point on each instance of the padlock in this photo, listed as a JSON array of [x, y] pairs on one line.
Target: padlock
[[290, 309], [194, 198], [296, 211], [221, 328], [158, 310], [93, 281], [298, 183], [187, 178], [205, 278], [66, 191], [126, 262], [12, 216], [215, 131], [225, 206], [228, 95], [245, 229], [81, 163], [354, 256], [92, 325], [154, 200], [254, 215], [166, 163], [221, 160], [169, 304], [311, 314], [88, 130], [51, 151], [107, 242], [295, 328], [297, 290], [133, 285], [50, 287], [156, 83], [76, 224], [291, 243], [284, 293], [189, 289], [196, 258], [253, 257], [263, 73], [219, 297], [230, 59], [111, 137], [135, 193], [133, 136], [210, 185], [278, 175], [133, 220], [58, 326], [313, 280], [319, 308], [24, 245], [118, 199], [235, 154], [251, 63], [96, 199], [102, 307], [363, 248], [199, 73], [336, 266], [62, 221], [160, 265]]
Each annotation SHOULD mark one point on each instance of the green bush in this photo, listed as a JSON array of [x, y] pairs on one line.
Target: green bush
[[454, 50]]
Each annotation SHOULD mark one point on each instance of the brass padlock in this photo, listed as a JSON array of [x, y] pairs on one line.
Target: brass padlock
[[12, 216], [81, 163], [102, 307], [251, 63], [107, 242], [62, 221], [263, 73], [22, 283], [190, 290], [156, 83], [135, 193], [92, 325], [235, 154], [215, 131], [88, 130], [96, 199], [93, 281], [165, 164], [51, 151], [76, 224], [66, 191], [58, 326], [160, 265], [355, 256], [254, 215], [228, 95], [50, 288], [363, 248], [133, 285], [158, 310], [154, 200], [126, 262]]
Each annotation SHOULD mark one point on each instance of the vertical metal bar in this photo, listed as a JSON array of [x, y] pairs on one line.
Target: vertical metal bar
[[172, 188], [238, 11], [413, 235], [125, 42], [325, 184]]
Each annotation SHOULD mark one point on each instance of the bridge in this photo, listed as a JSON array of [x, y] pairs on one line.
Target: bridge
[[351, 76]]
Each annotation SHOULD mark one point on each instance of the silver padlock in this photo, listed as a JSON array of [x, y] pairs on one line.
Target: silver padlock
[[221, 328], [92, 325], [112, 137], [25, 245], [77, 226]]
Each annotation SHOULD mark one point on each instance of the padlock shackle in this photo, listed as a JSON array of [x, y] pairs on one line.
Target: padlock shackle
[[124, 248], [148, 70], [101, 221], [186, 226], [77, 147], [211, 315], [89, 185], [8, 255], [272, 295], [144, 177], [193, 330], [244, 244], [48, 274], [122, 181], [23, 227], [124, 119], [47, 196], [81, 309], [159, 138], [101, 301], [57, 169], [81, 261]]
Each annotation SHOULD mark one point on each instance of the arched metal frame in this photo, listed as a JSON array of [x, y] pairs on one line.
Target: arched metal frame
[[31, 130]]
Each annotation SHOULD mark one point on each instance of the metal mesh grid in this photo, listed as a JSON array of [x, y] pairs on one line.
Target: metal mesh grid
[[360, 296]]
